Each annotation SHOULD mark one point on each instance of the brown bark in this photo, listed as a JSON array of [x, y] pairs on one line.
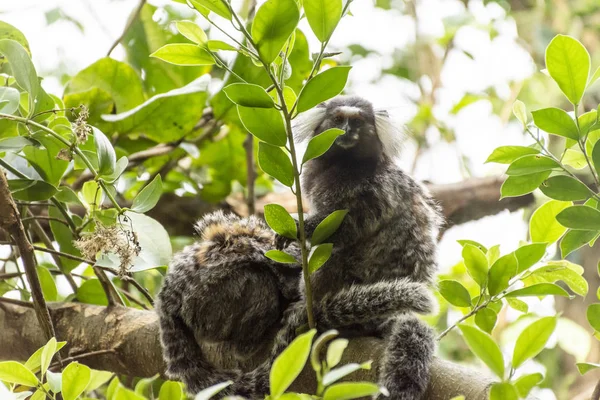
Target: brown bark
[[126, 341]]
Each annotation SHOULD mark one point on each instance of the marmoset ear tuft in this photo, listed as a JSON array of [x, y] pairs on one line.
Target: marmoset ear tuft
[[306, 123], [392, 135]]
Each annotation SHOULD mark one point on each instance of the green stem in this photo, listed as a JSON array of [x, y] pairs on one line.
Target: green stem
[[110, 196]]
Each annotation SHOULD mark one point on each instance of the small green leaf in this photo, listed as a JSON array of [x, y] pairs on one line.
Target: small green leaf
[[565, 188], [14, 372], [519, 185], [335, 351], [319, 144], [544, 226], [533, 340], [493, 254], [574, 239], [328, 226], [47, 354], [171, 390], [280, 221], [338, 373], [531, 164], [9, 100], [16, 143], [520, 111], [580, 217], [207, 393], [476, 264], [593, 316], [503, 391], [323, 16], [54, 381], [501, 272], [529, 254], [22, 69], [99, 378], [540, 289], [464, 242], [350, 390], [586, 367], [486, 319], [273, 24], [568, 63], [216, 45], [91, 292], [517, 304], [216, 6], [191, 31], [75, 379], [48, 285], [560, 271], [319, 256], [31, 190], [281, 257], [288, 365], [107, 159], [148, 196], [248, 95], [508, 154], [324, 86], [264, 123], [455, 293], [274, 162], [484, 347], [35, 360], [119, 169], [527, 382], [556, 121], [184, 54], [596, 157]]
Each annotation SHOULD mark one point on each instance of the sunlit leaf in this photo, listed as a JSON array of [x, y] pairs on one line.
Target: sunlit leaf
[[556, 121], [323, 16], [533, 340], [484, 347], [280, 221], [508, 154], [455, 293], [323, 86], [148, 197], [273, 24], [248, 95], [319, 256], [544, 226], [568, 63], [288, 365], [319, 144], [476, 263], [184, 54], [565, 188]]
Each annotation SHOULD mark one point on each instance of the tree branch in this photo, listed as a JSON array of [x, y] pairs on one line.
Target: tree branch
[[126, 341]]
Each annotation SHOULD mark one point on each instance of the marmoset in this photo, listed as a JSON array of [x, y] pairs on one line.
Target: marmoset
[[222, 301]]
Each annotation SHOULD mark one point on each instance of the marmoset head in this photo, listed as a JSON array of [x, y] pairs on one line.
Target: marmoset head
[[368, 133]]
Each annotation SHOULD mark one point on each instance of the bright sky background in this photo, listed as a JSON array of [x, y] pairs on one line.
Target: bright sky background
[[494, 64]]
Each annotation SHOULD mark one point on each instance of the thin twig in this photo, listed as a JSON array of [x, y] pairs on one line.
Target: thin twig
[[251, 174], [65, 255], [17, 302], [81, 356], [140, 288], [43, 218], [132, 19]]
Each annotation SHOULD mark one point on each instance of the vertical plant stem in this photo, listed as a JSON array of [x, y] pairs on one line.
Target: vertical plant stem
[[251, 174]]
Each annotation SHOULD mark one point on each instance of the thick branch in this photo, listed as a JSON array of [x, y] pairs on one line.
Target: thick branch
[[132, 335]]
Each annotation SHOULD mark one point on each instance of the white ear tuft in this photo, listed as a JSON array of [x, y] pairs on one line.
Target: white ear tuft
[[391, 135], [306, 123]]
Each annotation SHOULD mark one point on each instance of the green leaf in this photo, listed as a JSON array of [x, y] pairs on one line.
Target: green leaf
[[171, 390], [508, 154], [568, 63], [148, 197], [527, 382], [216, 45], [501, 272], [323, 86], [484, 347], [14, 372], [319, 144], [464, 242], [493, 254], [476, 264], [107, 159], [455, 293], [586, 367], [54, 381], [9, 100], [248, 95], [335, 351], [338, 373], [596, 157], [533, 340], [529, 254], [517, 304], [44, 160], [593, 316], [580, 217], [22, 69], [65, 239], [91, 292], [184, 54], [281, 257], [119, 169], [35, 360], [30, 190], [556, 121], [288, 365], [319, 256], [350, 390], [264, 123], [48, 285], [574, 239], [7, 31], [75, 379], [519, 185], [191, 31], [544, 226], [574, 158], [152, 238], [207, 393], [531, 164], [274, 162], [520, 111], [216, 6], [122, 393], [565, 188], [47, 354], [99, 378], [560, 271], [273, 24], [280, 221], [17, 143], [328, 226], [503, 391], [323, 16], [540, 289], [165, 117], [486, 319]]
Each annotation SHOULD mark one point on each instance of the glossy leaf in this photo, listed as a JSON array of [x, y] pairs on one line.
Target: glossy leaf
[[273, 24], [350, 390], [508, 154], [503, 391], [9, 100], [531, 164], [153, 239], [338, 373], [568, 63], [184, 54], [501, 272], [47, 354], [91, 292], [527, 382], [264, 123], [574, 239], [533, 340], [540, 289], [586, 367], [486, 319], [544, 226], [216, 45], [288, 365], [455, 293], [328, 226], [216, 6], [148, 196], [22, 69], [529, 254], [564, 188], [335, 350], [75, 379], [281, 221], [484, 347], [14, 372], [192, 31], [556, 121], [48, 285], [16, 143], [274, 162], [593, 316], [249, 95], [517, 304], [580, 217], [560, 271], [520, 111], [476, 264], [323, 16], [207, 393], [171, 390], [319, 144], [319, 256], [596, 157], [30, 190], [107, 158], [323, 86], [281, 257]]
